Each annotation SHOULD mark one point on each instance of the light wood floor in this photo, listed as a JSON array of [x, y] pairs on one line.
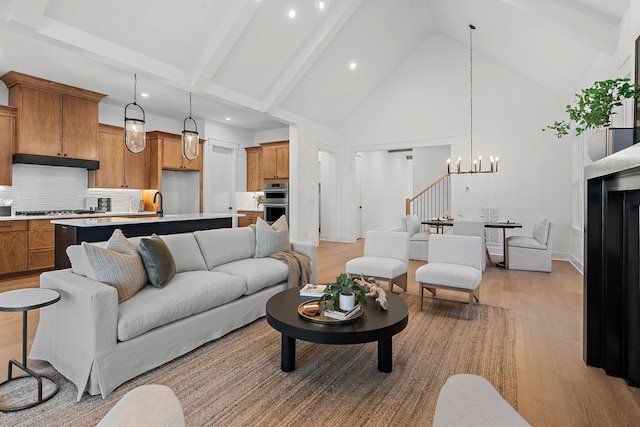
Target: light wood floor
[[555, 387]]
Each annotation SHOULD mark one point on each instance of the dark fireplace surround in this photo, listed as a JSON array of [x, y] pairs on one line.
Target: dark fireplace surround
[[612, 265]]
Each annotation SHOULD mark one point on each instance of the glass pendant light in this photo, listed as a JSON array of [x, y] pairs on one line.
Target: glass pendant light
[[190, 139], [135, 136]]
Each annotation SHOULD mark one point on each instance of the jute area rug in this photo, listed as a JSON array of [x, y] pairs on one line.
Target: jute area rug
[[237, 381]]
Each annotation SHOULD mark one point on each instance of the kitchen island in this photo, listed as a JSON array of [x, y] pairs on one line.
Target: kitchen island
[[75, 231]]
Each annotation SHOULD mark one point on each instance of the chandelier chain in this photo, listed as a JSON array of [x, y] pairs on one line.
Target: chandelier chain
[[135, 86], [471, 28]]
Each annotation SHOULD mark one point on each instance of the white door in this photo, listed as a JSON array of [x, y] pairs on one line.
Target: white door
[[220, 177]]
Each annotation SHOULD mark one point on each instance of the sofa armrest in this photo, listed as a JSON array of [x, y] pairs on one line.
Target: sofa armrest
[[75, 330], [308, 249]]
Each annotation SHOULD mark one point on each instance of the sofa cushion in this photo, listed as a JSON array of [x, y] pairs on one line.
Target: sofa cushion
[[258, 273], [225, 245], [186, 252], [157, 259], [411, 224], [272, 238], [422, 236], [186, 294], [541, 230], [123, 271]]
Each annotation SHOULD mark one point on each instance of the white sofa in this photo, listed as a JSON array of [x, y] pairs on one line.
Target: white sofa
[[219, 286]]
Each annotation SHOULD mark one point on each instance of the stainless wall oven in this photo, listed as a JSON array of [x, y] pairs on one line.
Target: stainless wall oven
[[276, 201]]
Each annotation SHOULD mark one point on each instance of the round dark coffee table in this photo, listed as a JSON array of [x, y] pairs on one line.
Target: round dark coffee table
[[374, 325]]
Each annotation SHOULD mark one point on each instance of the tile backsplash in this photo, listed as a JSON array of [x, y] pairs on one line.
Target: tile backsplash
[[37, 187]]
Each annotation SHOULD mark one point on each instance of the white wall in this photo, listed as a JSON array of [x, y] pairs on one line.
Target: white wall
[[620, 64], [425, 102]]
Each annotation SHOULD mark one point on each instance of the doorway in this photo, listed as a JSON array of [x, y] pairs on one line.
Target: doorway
[[220, 177]]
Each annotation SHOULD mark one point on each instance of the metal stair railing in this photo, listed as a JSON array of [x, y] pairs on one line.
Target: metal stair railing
[[434, 201]]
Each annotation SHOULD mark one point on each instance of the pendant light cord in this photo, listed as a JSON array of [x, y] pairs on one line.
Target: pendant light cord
[[135, 86], [471, 28]]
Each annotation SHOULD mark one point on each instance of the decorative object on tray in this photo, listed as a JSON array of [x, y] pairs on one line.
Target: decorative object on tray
[[344, 285], [311, 290], [310, 310], [373, 290]]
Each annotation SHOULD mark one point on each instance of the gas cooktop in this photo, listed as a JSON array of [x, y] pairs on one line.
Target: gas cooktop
[[56, 212]]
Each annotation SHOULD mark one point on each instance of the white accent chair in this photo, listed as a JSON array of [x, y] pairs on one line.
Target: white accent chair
[[418, 240], [471, 227], [532, 253], [386, 257], [455, 263], [467, 400], [147, 405]]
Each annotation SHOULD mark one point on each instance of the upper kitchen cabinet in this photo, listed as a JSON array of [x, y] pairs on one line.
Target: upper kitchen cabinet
[[275, 161], [119, 168], [7, 139], [255, 174], [53, 119], [170, 150]]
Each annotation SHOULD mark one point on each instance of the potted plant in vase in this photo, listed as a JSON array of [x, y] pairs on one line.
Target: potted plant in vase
[[345, 292], [593, 107]]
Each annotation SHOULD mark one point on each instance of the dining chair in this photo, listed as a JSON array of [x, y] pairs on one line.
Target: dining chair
[[418, 240], [531, 253], [473, 227], [386, 257], [455, 263]]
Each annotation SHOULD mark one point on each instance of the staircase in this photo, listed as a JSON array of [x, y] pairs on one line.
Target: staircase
[[434, 201]]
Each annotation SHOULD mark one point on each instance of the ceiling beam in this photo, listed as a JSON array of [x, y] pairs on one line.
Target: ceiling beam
[[221, 42], [576, 21], [318, 42]]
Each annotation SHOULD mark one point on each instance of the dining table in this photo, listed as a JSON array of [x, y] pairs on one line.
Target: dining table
[[440, 223]]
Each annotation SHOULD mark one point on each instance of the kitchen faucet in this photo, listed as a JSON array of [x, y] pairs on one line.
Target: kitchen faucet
[[160, 211]]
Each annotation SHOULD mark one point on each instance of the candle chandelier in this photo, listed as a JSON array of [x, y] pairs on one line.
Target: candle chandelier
[[475, 164]]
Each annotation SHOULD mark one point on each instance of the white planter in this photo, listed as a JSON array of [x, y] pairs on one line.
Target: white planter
[[347, 302], [597, 145]]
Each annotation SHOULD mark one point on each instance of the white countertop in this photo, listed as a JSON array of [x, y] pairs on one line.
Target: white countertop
[[116, 220], [74, 216]]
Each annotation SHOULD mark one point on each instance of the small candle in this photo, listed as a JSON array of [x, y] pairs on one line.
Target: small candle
[[480, 163], [458, 163], [448, 165], [475, 166], [497, 159]]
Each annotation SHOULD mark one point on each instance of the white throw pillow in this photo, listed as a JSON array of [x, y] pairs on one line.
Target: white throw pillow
[[541, 230], [272, 238]]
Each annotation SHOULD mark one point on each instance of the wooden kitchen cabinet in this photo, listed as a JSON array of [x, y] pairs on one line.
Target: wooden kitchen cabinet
[[13, 246], [41, 249], [255, 174], [172, 158], [275, 161], [251, 217], [119, 168], [7, 139], [166, 154], [53, 119]]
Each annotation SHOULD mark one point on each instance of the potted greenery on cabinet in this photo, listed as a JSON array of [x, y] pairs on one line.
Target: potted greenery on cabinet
[[593, 106]]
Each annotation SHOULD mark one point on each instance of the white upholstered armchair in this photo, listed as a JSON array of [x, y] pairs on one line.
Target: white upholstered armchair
[[533, 252], [455, 263], [386, 257], [418, 240]]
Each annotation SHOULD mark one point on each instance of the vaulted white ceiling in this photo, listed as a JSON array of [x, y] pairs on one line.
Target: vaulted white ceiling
[[249, 61]]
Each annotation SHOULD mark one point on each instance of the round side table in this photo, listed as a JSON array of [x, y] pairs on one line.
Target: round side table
[[24, 300]]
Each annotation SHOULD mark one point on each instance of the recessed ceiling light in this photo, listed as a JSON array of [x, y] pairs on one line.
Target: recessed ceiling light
[[144, 95], [292, 13], [227, 118], [321, 4], [353, 65]]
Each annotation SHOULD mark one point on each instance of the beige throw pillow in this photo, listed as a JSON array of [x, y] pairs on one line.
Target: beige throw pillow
[[272, 238], [118, 265]]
